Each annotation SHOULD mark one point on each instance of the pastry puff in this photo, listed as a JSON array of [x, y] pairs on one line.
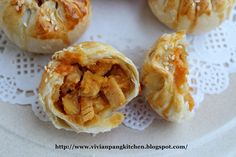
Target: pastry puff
[[83, 87], [44, 26], [164, 78], [192, 16]]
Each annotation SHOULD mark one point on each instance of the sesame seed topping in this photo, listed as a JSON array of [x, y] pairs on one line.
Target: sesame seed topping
[[17, 8], [56, 28], [25, 24], [180, 46], [165, 63], [198, 7], [173, 57], [166, 46], [47, 18]]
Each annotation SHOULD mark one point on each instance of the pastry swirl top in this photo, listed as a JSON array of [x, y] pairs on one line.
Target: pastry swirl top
[[193, 16]]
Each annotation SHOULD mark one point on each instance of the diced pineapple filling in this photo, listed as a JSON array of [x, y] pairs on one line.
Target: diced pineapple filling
[[121, 78], [87, 111], [91, 84], [72, 80], [91, 90], [99, 104], [70, 104], [100, 68], [113, 92]]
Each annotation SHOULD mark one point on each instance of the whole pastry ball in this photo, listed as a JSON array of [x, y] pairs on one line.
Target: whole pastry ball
[[44, 26], [164, 78], [192, 16]]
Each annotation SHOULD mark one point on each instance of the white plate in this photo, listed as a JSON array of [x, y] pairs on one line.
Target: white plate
[[129, 26]]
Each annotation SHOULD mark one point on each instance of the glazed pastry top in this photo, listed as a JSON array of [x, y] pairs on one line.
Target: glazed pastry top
[[193, 16]]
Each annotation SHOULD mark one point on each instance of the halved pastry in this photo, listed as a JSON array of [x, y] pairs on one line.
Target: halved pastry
[[192, 16], [44, 26], [83, 87], [164, 78]]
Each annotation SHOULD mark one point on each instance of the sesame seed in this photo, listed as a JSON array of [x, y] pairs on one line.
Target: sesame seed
[[17, 8], [198, 7], [53, 18], [56, 28], [173, 57], [180, 46], [165, 63], [166, 46], [47, 19], [70, 48], [25, 24]]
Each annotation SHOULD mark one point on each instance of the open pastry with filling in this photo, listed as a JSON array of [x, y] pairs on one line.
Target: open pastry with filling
[[83, 87], [164, 78]]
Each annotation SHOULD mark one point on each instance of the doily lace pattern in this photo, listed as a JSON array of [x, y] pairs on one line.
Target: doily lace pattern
[[212, 57]]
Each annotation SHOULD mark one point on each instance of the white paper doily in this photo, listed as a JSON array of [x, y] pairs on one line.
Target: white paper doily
[[212, 57]]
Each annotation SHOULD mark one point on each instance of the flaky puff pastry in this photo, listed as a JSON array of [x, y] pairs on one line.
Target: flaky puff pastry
[[164, 78], [83, 87], [44, 26], [192, 16]]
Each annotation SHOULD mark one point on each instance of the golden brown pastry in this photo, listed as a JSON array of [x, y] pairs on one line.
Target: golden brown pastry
[[83, 87], [44, 26], [164, 78], [192, 16]]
